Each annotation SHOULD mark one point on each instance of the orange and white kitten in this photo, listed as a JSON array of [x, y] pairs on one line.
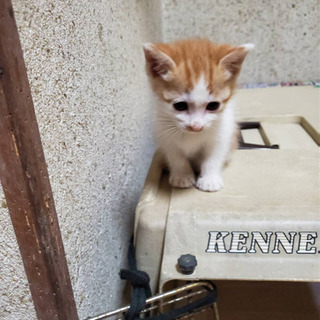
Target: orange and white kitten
[[195, 127]]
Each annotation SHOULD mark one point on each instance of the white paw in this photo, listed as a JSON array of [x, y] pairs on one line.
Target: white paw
[[209, 183], [182, 181]]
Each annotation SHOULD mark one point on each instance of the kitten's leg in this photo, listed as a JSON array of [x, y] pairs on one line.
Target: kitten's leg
[[181, 173], [210, 177], [212, 164], [217, 153]]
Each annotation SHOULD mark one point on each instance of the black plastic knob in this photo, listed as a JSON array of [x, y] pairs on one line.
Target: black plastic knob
[[187, 263]]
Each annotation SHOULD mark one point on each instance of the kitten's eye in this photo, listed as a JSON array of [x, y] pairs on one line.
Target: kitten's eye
[[180, 106], [213, 106]]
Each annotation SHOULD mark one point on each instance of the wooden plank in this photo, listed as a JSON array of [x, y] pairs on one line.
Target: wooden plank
[[26, 185]]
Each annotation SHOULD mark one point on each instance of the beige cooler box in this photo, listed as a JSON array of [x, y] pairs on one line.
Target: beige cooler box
[[264, 224]]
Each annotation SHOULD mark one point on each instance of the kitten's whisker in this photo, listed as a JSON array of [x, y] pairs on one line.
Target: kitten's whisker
[[174, 134], [168, 131]]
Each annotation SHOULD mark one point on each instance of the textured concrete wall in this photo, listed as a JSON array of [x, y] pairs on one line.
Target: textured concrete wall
[[285, 32], [93, 103]]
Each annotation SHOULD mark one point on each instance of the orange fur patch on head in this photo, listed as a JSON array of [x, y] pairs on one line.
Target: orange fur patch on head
[[182, 63]]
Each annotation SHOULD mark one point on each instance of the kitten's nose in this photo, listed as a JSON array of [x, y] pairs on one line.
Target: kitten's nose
[[195, 127]]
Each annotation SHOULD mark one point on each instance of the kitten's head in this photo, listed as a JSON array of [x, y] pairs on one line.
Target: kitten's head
[[194, 78]]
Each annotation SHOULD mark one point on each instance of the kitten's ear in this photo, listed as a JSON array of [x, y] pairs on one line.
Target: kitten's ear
[[232, 62], [158, 63]]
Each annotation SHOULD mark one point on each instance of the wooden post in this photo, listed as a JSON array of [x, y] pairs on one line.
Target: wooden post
[[26, 185]]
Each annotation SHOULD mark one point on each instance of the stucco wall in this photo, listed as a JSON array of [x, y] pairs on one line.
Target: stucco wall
[[285, 32], [93, 104]]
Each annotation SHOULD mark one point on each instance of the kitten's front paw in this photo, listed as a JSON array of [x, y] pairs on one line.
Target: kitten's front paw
[[182, 181], [209, 183]]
